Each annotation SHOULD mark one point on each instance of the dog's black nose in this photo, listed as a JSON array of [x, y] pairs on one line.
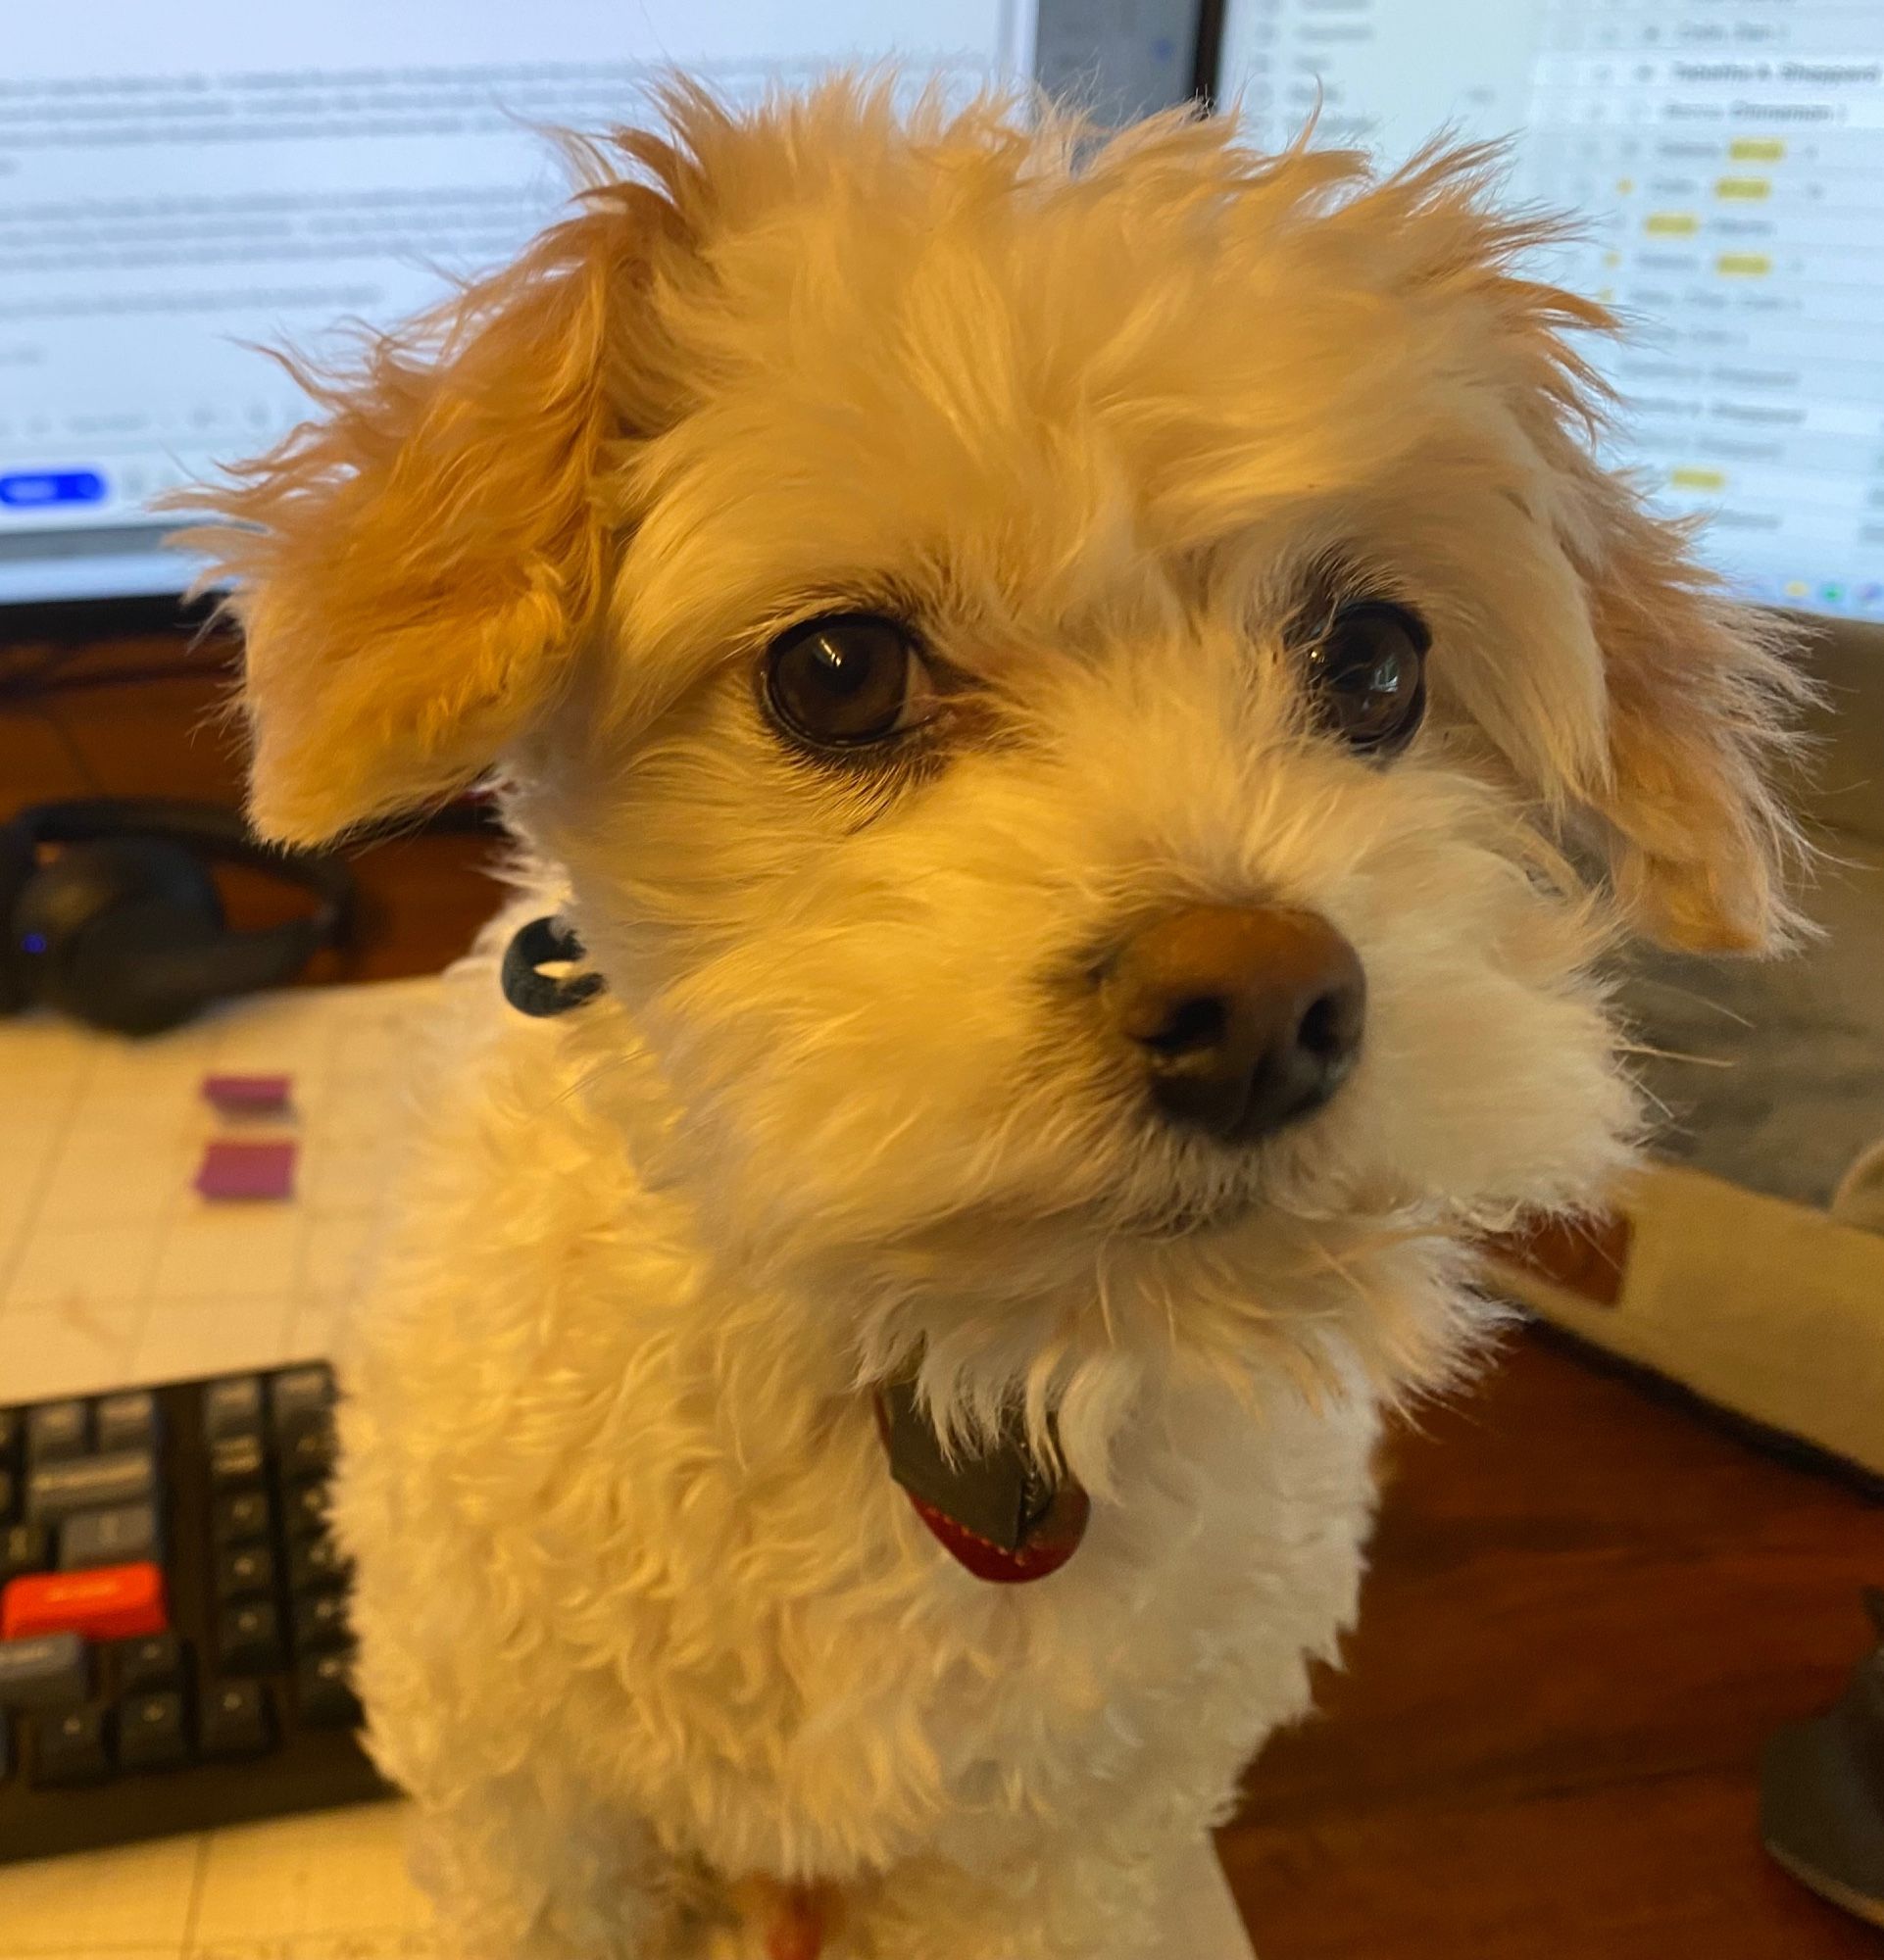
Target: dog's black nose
[[1245, 1019]]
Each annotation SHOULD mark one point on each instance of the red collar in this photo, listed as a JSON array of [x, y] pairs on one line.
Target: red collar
[[996, 1515], [1049, 1547]]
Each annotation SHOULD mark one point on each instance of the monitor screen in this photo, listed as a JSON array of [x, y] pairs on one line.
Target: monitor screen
[[1726, 159], [182, 185]]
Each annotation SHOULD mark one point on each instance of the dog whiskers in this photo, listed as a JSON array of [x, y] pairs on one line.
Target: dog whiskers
[[1648, 1095], [1707, 1000], [1654, 1053]]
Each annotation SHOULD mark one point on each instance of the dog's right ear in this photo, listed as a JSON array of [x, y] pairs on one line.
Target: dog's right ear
[[416, 570]]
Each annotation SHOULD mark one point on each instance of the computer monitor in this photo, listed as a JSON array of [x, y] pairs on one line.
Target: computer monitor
[[1726, 159], [184, 182]]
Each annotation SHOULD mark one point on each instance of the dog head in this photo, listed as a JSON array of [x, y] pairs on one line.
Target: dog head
[[1080, 687]]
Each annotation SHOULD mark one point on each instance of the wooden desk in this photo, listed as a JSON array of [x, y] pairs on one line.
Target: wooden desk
[[1586, 1612]]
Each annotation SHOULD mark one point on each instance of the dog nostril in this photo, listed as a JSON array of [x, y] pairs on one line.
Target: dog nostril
[[1323, 1027], [1198, 1024]]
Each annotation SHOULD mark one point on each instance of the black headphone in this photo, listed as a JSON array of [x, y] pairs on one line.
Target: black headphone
[[124, 927]]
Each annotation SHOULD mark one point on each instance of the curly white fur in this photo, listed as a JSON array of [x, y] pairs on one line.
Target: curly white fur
[[644, 1622]]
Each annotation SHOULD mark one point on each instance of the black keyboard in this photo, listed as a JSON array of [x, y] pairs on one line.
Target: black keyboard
[[173, 1642]]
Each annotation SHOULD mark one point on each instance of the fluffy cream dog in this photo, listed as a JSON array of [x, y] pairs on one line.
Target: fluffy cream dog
[[1075, 692]]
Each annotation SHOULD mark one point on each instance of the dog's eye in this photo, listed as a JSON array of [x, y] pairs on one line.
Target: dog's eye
[[846, 681], [1367, 675]]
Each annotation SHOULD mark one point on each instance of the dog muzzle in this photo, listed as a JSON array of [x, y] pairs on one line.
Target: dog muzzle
[[998, 1514]]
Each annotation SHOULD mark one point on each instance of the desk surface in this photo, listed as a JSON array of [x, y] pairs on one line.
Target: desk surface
[[1587, 1610], [1586, 1613]]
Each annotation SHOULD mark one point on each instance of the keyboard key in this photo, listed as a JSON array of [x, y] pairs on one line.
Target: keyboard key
[[109, 1602], [116, 1536], [234, 1719], [88, 1483], [244, 1572], [51, 1672], [150, 1664], [241, 1517], [151, 1734], [10, 1428], [305, 1391], [24, 1548], [9, 1496], [55, 1430], [325, 1694], [305, 1445], [321, 1622], [126, 1421], [237, 1463], [316, 1563], [232, 1406], [306, 1505], [248, 1639], [71, 1746], [6, 1753]]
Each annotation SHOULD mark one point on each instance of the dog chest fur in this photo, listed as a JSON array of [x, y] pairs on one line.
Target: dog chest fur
[[595, 1518]]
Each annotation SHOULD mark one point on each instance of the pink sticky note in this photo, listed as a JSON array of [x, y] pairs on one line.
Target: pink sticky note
[[231, 1170], [247, 1095]]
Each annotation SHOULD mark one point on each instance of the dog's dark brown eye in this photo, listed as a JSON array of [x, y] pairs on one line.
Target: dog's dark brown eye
[[1367, 675], [846, 681]]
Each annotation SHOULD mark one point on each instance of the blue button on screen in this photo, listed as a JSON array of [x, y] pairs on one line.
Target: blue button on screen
[[26, 489]]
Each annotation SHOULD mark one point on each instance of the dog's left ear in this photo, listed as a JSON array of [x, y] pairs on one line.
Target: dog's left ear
[[1702, 702], [417, 570]]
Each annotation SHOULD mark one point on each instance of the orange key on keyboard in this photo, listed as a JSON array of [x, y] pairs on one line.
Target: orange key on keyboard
[[109, 1602]]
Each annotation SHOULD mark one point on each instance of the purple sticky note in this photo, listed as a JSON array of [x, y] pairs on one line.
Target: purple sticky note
[[231, 1170], [247, 1095]]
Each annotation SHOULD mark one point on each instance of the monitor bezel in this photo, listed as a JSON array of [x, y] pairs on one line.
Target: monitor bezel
[[1205, 76], [96, 618]]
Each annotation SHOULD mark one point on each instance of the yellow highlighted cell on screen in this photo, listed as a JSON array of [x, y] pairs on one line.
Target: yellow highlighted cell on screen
[[1671, 223], [1756, 149], [1690, 477], [1747, 187], [1743, 264]]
